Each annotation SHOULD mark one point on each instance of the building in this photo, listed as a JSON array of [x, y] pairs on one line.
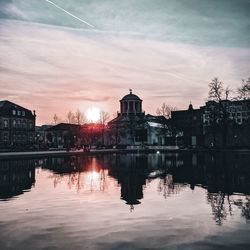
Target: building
[[40, 136], [235, 111], [17, 126], [63, 135], [190, 123], [133, 127], [227, 123]]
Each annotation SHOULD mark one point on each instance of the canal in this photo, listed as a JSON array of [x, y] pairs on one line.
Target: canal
[[126, 201]]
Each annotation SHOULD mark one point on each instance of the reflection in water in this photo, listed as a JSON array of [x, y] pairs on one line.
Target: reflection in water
[[16, 177], [222, 175]]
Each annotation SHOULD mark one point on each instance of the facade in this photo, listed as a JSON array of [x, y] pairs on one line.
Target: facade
[[40, 137], [190, 122], [17, 126], [133, 127], [63, 135], [227, 123], [236, 111]]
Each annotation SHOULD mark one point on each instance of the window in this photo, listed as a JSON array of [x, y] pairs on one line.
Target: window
[[19, 112], [14, 123], [5, 124], [23, 113], [13, 112]]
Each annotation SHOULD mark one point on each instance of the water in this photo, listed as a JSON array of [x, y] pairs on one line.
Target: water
[[126, 201]]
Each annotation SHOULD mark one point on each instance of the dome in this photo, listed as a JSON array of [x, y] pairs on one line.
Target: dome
[[130, 97]]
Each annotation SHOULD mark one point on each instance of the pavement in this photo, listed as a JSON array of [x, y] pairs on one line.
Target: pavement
[[33, 154], [36, 154]]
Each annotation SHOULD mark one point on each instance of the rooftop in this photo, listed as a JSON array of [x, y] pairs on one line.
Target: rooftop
[[131, 96]]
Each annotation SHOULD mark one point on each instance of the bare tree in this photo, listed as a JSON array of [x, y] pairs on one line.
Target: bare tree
[[104, 117], [219, 114], [244, 89], [165, 110], [79, 117], [71, 117], [217, 92], [55, 119]]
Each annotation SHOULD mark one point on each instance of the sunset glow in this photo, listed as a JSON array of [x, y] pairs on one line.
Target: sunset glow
[[152, 52], [93, 114]]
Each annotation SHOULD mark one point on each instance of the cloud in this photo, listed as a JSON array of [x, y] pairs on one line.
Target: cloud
[[58, 68], [217, 23]]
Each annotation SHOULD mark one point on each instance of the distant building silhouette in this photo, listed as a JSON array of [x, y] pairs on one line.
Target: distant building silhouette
[[63, 135], [217, 124], [17, 126], [227, 123], [190, 122]]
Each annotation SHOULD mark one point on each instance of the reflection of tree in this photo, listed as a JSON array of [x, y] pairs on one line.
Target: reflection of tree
[[222, 175], [86, 174], [244, 204], [167, 186], [217, 201], [246, 209]]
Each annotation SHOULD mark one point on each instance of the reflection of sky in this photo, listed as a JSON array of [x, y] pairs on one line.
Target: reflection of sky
[[59, 216], [163, 49], [85, 202]]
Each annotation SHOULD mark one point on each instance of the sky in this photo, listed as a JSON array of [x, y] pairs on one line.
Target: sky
[[165, 50]]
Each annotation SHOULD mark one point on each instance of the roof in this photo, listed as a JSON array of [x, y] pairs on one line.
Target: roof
[[131, 96], [63, 126], [6, 108], [155, 125]]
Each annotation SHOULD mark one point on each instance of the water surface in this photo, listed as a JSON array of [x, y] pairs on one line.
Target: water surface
[[126, 201]]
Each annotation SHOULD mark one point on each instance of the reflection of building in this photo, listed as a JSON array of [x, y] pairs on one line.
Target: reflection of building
[[16, 177], [190, 122], [131, 173], [17, 126], [133, 127]]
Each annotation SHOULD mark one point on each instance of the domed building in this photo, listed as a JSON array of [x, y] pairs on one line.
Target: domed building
[[131, 104], [133, 127]]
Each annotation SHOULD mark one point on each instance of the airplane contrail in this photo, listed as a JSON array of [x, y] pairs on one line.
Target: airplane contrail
[[60, 8]]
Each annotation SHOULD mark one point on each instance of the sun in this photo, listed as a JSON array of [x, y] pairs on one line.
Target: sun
[[93, 114]]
